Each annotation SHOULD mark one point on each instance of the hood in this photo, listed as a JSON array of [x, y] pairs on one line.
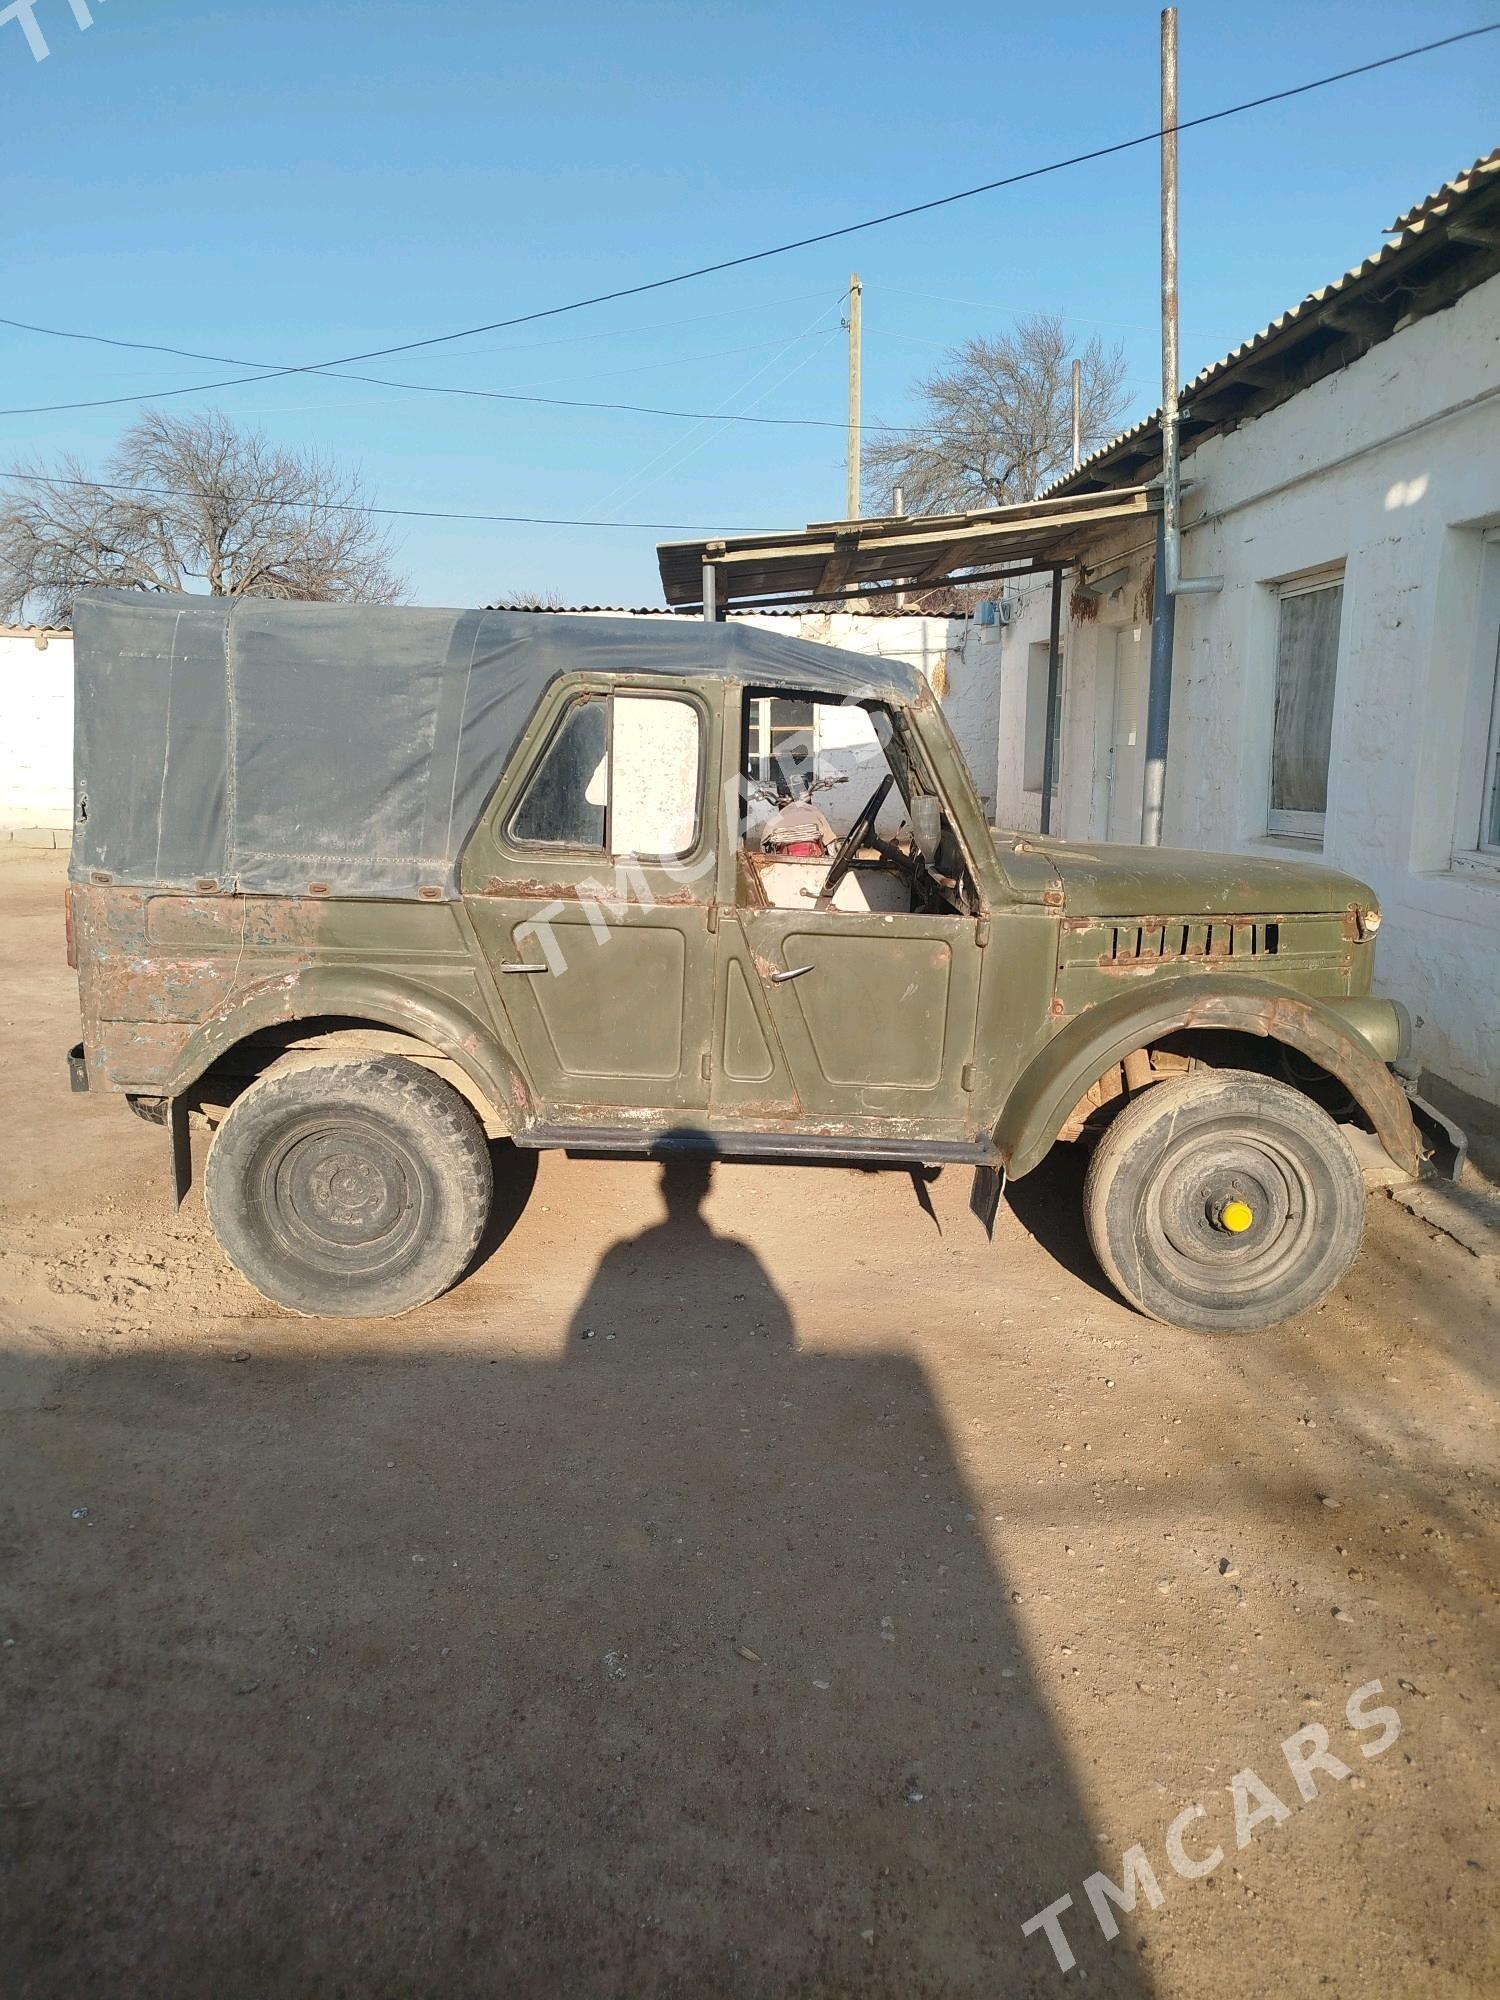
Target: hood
[[1111, 879]]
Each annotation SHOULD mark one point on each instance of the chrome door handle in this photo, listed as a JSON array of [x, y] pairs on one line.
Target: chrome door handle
[[525, 968], [793, 972]]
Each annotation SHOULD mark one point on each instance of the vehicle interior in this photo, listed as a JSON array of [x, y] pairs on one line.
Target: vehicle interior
[[840, 813]]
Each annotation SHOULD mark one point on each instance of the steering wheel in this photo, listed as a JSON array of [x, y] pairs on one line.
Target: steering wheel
[[852, 842]]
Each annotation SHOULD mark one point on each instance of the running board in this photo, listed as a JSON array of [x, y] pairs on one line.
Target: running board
[[770, 1146]]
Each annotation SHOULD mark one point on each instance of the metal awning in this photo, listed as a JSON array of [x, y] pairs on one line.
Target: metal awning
[[831, 560]]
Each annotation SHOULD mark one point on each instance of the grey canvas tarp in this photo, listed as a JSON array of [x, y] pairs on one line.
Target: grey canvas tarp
[[261, 746]]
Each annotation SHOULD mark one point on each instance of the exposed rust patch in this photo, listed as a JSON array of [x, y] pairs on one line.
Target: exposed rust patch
[[601, 894], [152, 966]]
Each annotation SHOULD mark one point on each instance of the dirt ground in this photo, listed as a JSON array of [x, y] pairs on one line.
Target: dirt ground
[[778, 1591]]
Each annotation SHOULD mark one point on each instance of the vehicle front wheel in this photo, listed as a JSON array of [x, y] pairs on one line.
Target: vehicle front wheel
[[351, 1188], [1224, 1201]]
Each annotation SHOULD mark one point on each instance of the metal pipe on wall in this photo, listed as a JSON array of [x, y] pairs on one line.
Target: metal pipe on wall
[[1054, 692]]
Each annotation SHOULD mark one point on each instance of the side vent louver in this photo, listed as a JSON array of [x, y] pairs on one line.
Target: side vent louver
[[1246, 938]]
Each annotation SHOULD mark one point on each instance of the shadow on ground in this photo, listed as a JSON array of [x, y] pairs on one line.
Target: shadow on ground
[[675, 1665]]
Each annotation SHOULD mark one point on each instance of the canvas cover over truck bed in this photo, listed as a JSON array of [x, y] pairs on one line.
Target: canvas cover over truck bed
[[260, 745]]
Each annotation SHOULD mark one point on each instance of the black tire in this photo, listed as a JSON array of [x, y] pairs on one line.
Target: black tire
[[1166, 1173], [355, 1189]]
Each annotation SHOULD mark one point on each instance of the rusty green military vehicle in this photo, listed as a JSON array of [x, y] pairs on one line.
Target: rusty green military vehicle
[[365, 890]]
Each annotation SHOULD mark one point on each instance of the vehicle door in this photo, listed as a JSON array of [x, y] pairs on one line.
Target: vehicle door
[[860, 1014], [589, 884]]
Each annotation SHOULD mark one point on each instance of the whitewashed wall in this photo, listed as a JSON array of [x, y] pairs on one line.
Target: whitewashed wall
[[1392, 468], [36, 736], [960, 659]]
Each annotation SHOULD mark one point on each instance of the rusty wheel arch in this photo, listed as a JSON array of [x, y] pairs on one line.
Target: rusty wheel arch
[[1070, 1068], [320, 1000]]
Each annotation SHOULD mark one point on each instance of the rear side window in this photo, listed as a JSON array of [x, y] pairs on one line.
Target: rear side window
[[621, 776], [565, 801]]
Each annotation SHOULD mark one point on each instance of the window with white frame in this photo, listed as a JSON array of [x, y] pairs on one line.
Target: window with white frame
[[1477, 834], [1307, 653]]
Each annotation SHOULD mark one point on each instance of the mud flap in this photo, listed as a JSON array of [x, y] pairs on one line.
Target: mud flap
[[182, 1149], [985, 1195], [1445, 1144]]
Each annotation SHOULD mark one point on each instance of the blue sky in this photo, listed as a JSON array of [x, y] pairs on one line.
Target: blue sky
[[301, 181]]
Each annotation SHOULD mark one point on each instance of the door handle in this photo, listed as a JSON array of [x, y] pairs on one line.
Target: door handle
[[793, 972], [525, 968]]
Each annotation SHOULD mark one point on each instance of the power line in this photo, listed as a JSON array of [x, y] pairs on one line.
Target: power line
[[357, 507], [429, 389], [724, 264]]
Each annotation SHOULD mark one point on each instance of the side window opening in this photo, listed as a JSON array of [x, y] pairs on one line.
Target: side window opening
[[621, 775], [810, 769]]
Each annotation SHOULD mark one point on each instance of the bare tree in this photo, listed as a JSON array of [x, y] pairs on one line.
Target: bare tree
[[998, 421], [528, 600], [189, 502]]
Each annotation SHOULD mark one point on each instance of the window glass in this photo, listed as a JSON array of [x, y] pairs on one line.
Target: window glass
[[566, 799], [1307, 647], [625, 781], [654, 776], [1038, 674]]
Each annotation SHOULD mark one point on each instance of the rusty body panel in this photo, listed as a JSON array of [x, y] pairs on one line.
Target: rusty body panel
[[982, 1030]]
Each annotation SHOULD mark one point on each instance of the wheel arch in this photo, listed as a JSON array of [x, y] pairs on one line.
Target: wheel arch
[[377, 1000], [1076, 1058]]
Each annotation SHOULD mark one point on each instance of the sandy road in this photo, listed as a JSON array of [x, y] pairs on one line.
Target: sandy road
[[772, 1590]]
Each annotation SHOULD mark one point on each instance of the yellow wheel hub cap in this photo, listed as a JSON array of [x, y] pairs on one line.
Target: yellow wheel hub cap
[[1236, 1216]]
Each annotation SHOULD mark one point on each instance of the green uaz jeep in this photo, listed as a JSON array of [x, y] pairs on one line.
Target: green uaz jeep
[[370, 888]]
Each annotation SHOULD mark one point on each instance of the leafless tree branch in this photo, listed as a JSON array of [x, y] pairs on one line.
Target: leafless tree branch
[[998, 421], [192, 503]]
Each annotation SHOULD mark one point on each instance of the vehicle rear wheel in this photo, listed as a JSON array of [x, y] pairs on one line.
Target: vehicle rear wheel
[[351, 1188], [1224, 1202]]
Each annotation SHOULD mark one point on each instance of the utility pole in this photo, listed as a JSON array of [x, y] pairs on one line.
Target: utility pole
[[1170, 582], [1077, 414], [851, 498]]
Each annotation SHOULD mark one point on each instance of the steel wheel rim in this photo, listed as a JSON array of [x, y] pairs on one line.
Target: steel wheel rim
[[1191, 1186], [342, 1193]]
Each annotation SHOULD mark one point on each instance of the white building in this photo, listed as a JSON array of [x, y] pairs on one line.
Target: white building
[[36, 735], [1338, 698]]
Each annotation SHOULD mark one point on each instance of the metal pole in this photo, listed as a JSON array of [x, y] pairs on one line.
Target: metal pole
[[1159, 703], [851, 501], [710, 593], [1163, 603], [1169, 533], [1054, 691], [1174, 584], [1077, 414], [1170, 471]]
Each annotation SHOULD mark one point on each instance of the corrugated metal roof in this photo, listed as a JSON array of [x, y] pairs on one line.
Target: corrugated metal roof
[[854, 610], [1440, 197], [1425, 235]]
